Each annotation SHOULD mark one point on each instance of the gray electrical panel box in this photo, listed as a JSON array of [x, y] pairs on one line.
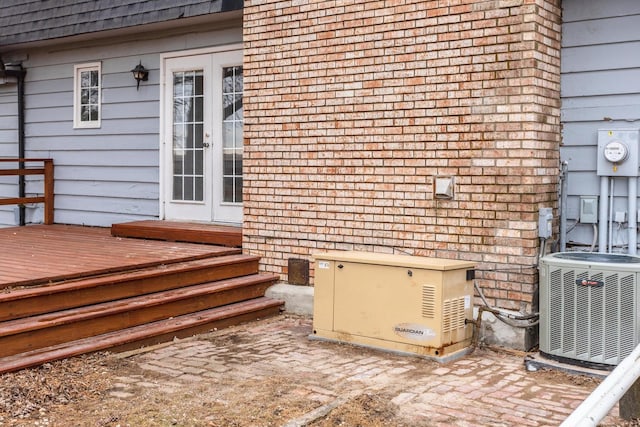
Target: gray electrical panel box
[[545, 222], [618, 152], [588, 209]]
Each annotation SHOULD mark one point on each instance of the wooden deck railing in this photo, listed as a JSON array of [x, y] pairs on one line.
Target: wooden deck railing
[[22, 170]]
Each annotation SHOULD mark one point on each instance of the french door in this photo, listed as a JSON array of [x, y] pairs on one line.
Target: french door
[[202, 138]]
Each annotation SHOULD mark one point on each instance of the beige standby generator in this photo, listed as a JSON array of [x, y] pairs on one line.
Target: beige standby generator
[[400, 303]]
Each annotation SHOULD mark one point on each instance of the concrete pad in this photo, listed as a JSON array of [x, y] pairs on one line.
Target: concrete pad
[[297, 299], [536, 361], [495, 332]]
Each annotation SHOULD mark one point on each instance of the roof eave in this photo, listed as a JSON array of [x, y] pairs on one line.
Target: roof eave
[[223, 19]]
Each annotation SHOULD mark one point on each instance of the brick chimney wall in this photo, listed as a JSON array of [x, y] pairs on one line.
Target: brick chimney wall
[[353, 108]]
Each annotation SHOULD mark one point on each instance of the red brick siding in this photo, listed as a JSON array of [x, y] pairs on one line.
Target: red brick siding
[[353, 107]]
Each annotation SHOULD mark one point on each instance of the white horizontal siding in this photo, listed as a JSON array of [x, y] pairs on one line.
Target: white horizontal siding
[[107, 173], [104, 175], [582, 158], [93, 218], [8, 138], [7, 122], [624, 112], [599, 31], [107, 142], [128, 126], [594, 83], [8, 145], [600, 88], [591, 58], [583, 10], [105, 158], [7, 218], [112, 205], [139, 190], [580, 133]]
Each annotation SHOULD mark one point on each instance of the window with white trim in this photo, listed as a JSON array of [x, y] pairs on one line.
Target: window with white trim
[[87, 85]]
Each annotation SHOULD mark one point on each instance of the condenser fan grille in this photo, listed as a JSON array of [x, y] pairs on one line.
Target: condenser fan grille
[[591, 314]]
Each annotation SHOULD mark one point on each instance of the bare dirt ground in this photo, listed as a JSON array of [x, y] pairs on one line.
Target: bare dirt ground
[[79, 392], [93, 390]]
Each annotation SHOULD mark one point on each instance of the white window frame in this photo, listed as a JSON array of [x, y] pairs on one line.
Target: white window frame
[[78, 123]]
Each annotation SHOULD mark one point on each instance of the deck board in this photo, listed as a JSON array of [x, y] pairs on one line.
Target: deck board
[[48, 253], [206, 233]]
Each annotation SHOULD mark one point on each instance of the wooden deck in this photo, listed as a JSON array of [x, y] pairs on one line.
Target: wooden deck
[[50, 253], [68, 290]]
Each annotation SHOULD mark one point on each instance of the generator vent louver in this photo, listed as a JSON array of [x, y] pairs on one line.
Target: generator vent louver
[[429, 301], [589, 311], [453, 315]]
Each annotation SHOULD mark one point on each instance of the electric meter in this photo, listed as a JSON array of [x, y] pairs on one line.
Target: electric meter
[[615, 152], [618, 152]]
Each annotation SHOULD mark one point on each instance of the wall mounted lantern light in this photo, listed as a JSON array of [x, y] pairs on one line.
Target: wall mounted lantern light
[[140, 74]]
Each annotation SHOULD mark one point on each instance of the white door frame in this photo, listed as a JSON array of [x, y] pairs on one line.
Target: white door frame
[[163, 161]]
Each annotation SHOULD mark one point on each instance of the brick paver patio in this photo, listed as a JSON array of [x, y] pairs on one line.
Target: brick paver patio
[[485, 388]]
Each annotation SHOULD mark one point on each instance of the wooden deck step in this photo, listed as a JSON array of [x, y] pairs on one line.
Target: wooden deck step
[[148, 334], [22, 335], [19, 303], [210, 234], [68, 290]]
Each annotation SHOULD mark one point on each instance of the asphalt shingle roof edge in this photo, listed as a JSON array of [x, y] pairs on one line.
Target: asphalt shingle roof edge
[[25, 21]]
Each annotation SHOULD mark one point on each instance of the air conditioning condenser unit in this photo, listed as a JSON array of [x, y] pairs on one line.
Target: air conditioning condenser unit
[[589, 307], [401, 303]]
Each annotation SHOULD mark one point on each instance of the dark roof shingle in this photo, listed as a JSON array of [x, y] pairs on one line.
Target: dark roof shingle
[[23, 21]]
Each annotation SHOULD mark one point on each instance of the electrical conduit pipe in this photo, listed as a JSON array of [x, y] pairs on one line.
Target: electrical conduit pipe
[[632, 221], [603, 216], [563, 205], [611, 197]]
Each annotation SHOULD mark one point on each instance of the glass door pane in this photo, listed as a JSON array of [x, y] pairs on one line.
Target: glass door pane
[[232, 126], [188, 142]]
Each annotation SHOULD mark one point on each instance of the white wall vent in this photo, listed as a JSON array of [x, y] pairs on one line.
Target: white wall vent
[[589, 307]]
